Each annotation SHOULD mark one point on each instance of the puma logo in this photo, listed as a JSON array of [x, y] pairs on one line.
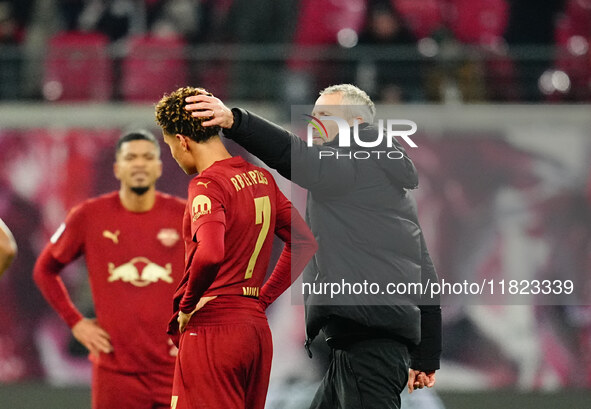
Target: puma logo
[[204, 183], [113, 236]]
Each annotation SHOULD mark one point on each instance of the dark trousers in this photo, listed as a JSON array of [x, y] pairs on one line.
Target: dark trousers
[[367, 374]]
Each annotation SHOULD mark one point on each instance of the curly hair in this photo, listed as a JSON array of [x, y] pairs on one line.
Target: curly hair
[[173, 118]]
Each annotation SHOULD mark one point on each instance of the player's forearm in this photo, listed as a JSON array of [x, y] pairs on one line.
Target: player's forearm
[[8, 248], [7, 255], [46, 276], [204, 265], [299, 248], [205, 275]]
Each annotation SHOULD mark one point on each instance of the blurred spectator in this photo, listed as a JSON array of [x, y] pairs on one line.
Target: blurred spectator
[[451, 75], [320, 25], [248, 23], [384, 25], [69, 11], [531, 23], [44, 23], [385, 79], [115, 18], [14, 16], [488, 72], [198, 22], [176, 18]]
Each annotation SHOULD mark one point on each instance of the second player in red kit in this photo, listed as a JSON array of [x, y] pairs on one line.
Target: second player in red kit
[[131, 241], [233, 211]]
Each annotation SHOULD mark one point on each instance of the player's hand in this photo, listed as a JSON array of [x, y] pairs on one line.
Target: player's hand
[[204, 106], [92, 336], [419, 379], [173, 351], [184, 318], [202, 302]]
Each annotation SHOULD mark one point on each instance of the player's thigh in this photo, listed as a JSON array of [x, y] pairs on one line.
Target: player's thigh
[[111, 389], [160, 387], [260, 371], [380, 369], [222, 358]]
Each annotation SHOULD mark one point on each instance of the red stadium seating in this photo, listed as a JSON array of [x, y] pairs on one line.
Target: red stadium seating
[[153, 66], [579, 14], [478, 21], [573, 38], [319, 21], [422, 16], [77, 67]]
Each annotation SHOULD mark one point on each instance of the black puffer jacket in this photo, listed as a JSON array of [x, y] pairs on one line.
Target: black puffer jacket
[[367, 230]]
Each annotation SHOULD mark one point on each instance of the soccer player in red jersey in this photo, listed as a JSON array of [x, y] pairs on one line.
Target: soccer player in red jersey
[[225, 346], [8, 247], [131, 240]]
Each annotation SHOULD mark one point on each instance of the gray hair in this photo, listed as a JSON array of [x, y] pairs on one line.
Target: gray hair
[[357, 101]]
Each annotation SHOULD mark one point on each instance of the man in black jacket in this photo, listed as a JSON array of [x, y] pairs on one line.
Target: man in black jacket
[[366, 226]]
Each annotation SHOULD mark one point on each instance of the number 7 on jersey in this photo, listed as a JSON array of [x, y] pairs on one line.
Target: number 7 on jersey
[[262, 207]]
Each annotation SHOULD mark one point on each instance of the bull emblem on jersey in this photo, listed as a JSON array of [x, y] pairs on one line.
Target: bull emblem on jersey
[[140, 272]]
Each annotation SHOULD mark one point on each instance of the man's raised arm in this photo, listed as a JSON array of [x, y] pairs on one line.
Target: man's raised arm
[[276, 147]]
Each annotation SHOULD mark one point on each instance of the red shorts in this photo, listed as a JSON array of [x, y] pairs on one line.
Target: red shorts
[[224, 358], [122, 390]]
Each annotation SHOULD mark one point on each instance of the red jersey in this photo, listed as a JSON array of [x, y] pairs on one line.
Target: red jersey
[[134, 262], [247, 201]]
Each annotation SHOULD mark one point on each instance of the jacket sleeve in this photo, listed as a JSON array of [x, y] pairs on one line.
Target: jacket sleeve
[[290, 155], [402, 171], [426, 355]]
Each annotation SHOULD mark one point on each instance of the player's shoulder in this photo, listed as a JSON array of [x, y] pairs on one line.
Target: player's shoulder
[[92, 203], [264, 171], [263, 174], [171, 200], [205, 181]]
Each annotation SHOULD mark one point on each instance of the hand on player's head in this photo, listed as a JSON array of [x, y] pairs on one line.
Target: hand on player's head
[[204, 106]]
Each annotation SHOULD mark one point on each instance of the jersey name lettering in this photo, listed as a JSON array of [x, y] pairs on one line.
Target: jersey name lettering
[[252, 177]]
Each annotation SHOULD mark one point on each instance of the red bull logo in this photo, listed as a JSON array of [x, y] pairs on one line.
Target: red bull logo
[[140, 272], [168, 237]]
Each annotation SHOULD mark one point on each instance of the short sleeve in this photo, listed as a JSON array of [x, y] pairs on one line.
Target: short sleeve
[[207, 203], [67, 243]]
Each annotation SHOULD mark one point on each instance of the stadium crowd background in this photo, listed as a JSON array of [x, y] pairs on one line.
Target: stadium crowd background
[[468, 50], [500, 90]]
